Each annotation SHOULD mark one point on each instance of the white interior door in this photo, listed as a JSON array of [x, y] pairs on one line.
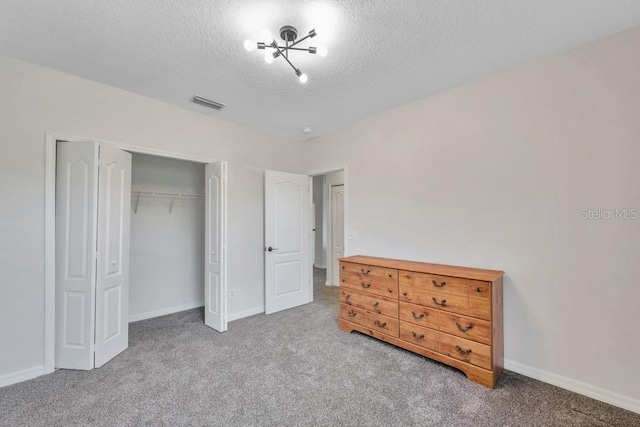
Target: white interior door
[[287, 247], [214, 289], [112, 284], [76, 227], [337, 231]]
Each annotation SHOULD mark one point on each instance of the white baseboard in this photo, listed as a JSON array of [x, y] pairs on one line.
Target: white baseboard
[[579, 387], [23, 375], [245, 313], [165, 311]]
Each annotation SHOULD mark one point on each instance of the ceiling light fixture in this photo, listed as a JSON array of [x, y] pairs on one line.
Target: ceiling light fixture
[[289, 34]]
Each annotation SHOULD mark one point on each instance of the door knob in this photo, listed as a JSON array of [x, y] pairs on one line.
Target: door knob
[[270, 249]]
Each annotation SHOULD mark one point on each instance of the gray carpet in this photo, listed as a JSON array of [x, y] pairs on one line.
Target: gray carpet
[[293, 368]]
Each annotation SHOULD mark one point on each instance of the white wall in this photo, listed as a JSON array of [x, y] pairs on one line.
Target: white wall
[[495, 174], [167, 249], [34, 100]]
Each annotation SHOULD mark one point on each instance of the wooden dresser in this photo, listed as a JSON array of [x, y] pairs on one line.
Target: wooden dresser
[[450, 314]]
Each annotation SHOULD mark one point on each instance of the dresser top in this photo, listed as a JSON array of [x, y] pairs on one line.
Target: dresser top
[[423, 267]]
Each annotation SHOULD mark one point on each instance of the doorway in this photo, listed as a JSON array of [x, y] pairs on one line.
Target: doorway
[[329, 213], [160, 185]]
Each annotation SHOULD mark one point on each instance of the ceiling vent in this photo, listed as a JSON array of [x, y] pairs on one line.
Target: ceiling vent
[[207, 102]]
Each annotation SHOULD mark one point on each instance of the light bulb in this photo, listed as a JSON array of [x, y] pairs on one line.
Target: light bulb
[[303, 78], [249, 45], [268, 57], [322, 51]]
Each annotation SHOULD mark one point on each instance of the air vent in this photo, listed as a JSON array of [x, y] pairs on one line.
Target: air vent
[[207, 102]]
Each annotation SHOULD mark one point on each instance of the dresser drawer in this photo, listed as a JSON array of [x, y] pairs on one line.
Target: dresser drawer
[[384, 324], [439, 300], [419, 315], [350, 280], [481, 290], [466, 327], [480, 308], [379, 305], [466, 350], [370, 272], [423, 337], [353, 314], [352, 297], [446, 284]]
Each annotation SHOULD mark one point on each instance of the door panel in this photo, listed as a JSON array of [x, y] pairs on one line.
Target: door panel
[[76, 222], [287, 233], [215, 295], [337, 231], [112, 284]]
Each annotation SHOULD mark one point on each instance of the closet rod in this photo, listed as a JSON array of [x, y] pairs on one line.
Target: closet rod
[[174, 197]]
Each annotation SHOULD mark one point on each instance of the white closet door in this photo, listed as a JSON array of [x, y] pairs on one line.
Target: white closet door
[[286, 234], [215, 299], [337, 231], [76, 225], [112, 285]]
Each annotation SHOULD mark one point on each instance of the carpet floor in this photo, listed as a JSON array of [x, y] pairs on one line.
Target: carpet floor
[[293, 368]]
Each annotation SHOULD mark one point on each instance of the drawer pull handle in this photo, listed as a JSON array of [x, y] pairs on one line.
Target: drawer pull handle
[[442, 303], [439, 285], [366, 285], [381, 324], [478, 290], [375, 307], [416, 336], [351, 313], [390, 291], [464, 329], [404, 294], [463, 351], [365, 272], [416, 316], [390, 275], [347, 299]]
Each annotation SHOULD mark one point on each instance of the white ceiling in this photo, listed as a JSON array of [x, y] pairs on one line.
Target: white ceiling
[[382, 53]]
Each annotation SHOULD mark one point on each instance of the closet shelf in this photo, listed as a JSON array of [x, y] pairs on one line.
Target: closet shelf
[[173, 196]]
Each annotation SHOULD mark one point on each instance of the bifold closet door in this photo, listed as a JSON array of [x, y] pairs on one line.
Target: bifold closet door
[[214, 292], [337, 231], [112, 284], [76, 233], [93, 192]]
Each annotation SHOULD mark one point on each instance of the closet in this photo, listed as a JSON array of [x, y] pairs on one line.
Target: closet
[[137, 236], [167, 236]]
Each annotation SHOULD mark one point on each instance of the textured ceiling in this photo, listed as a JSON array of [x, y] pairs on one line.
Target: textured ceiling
[[382, 53]]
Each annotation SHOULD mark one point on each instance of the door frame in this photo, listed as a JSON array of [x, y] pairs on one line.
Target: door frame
[[324, 171], [51, 140]]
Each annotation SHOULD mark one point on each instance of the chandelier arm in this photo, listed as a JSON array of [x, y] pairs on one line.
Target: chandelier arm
[[288, 48], [299, 48], [300, 40], [275, 46]]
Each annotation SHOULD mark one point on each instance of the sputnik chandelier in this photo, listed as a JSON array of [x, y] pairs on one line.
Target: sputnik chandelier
[[289, 34]]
